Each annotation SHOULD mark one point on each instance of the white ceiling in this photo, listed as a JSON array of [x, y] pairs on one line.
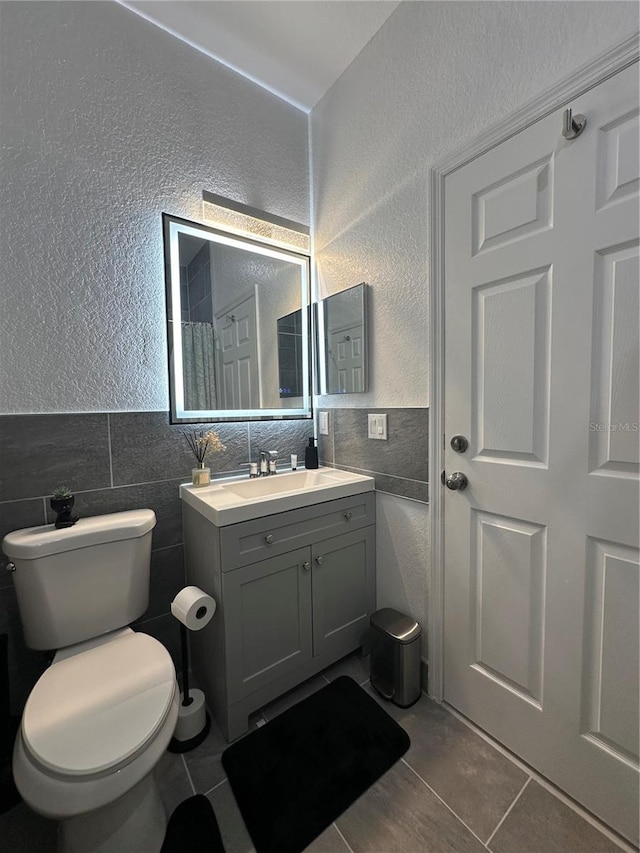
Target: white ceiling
[[295, 48]]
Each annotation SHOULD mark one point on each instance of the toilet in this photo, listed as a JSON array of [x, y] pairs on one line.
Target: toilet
[[99, 719]]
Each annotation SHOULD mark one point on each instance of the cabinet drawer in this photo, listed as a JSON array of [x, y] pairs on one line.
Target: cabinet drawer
[[251, 541]]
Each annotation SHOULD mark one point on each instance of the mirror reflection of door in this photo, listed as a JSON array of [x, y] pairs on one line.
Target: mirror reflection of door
[[346, 367], [239, 370]]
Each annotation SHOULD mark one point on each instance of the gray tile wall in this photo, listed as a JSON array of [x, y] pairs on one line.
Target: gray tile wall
[[113, 462], [399, 464]]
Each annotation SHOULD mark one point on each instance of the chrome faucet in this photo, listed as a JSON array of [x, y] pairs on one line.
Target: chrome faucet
[[267, 462]]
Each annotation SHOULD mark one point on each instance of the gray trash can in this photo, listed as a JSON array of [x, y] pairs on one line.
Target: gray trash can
[[395, 656]]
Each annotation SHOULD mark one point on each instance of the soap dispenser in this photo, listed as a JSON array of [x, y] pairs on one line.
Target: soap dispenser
[[311, 454]]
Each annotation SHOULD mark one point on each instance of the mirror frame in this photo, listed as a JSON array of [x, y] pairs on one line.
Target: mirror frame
[[173, 226]]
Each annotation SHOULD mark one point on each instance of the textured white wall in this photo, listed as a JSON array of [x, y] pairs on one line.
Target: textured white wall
[[432, 78], [106, 122]]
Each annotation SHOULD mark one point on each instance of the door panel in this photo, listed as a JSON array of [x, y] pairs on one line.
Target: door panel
[[508, 569], [542, 372], [514, 207], [511, 350], [616, 362], [618, 144], [610, 699]]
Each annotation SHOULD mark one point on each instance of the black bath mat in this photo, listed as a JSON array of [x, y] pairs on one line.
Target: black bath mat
[[294, 776], [193, 828]]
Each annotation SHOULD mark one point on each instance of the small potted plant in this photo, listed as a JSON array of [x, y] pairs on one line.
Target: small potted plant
[[62, 500], [200, 444]]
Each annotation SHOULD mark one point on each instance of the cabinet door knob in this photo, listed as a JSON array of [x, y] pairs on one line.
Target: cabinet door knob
[[319, 560], [348, 516], [268, 540], [306, 566]]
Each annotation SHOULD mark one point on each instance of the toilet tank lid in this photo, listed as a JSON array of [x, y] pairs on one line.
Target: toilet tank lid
[[33, 543]]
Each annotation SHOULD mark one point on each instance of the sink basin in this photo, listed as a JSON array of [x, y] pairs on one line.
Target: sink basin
[[234, 500], [278, 485]]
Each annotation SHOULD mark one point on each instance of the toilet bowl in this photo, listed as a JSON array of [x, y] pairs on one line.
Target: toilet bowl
[[94, 727], [99, 719]]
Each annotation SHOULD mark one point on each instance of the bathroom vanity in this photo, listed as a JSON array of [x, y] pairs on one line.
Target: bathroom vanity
[[290, 561]]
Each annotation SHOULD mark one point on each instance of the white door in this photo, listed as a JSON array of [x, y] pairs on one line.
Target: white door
[[238, 335], [542, 376]]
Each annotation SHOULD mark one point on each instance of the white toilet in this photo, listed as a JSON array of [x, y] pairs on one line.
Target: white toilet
[[101, 716]]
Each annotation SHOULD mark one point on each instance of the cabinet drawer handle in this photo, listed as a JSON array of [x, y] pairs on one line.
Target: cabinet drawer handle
[[268, 540], [319, 560], [306, 566], [348, 516]]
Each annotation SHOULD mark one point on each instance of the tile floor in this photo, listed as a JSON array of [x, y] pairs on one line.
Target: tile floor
[[453, 792]]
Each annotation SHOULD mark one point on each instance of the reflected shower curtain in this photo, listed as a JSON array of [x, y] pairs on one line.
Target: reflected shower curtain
[[198, 355]]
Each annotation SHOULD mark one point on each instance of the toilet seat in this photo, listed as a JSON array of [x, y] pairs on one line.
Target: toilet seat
[[96, 710]]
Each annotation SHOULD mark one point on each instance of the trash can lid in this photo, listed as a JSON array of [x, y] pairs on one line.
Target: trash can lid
[[402, 628]]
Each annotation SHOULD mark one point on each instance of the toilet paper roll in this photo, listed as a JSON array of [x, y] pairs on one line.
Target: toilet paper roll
[[193, 607], [191, 718]]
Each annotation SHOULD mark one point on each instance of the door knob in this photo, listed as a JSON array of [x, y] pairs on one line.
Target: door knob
[[456, 481], [268, 540], [306, 565], [319, 560]]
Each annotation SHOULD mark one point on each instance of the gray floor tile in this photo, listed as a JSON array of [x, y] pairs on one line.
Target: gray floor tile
[[355, 666], [541, 823], [23, 831], [329, 842], [293, 697], [399, 814], [234, 833], [173, 781], [473, 778], [204, 763], [236, 838]]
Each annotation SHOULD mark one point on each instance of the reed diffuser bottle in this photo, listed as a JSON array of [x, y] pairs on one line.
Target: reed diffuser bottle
[[202, 443]]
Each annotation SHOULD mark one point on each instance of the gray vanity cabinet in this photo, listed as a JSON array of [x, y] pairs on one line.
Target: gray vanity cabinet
[[294, 592]]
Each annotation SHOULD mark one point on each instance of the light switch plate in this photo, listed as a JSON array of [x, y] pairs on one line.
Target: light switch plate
[[323, 423], [377, 427]]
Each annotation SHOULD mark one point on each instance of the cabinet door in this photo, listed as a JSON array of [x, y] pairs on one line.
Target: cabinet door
[[267, 614], [343, 591]]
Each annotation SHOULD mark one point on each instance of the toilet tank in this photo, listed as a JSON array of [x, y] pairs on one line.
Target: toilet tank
[[79, 582]]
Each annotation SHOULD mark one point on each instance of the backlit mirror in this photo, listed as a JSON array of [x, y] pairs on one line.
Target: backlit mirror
[[342, 342], [234, 305]]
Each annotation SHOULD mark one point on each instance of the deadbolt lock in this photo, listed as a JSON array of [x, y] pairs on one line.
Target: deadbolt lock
[[459, 443]]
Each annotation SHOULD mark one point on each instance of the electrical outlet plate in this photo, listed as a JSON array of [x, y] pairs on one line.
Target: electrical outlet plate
[[323, 423], [377, 427]]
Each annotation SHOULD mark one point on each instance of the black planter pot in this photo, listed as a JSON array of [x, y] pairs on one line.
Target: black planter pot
[[63, 507]]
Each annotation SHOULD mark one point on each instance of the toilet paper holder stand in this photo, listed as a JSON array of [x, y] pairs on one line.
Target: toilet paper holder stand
[[194, 722]]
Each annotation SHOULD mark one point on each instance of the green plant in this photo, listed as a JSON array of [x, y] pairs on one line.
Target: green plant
[[62, 493]]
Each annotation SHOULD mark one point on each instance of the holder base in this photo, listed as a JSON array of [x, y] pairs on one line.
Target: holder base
[[178, 746], [193, 723]]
